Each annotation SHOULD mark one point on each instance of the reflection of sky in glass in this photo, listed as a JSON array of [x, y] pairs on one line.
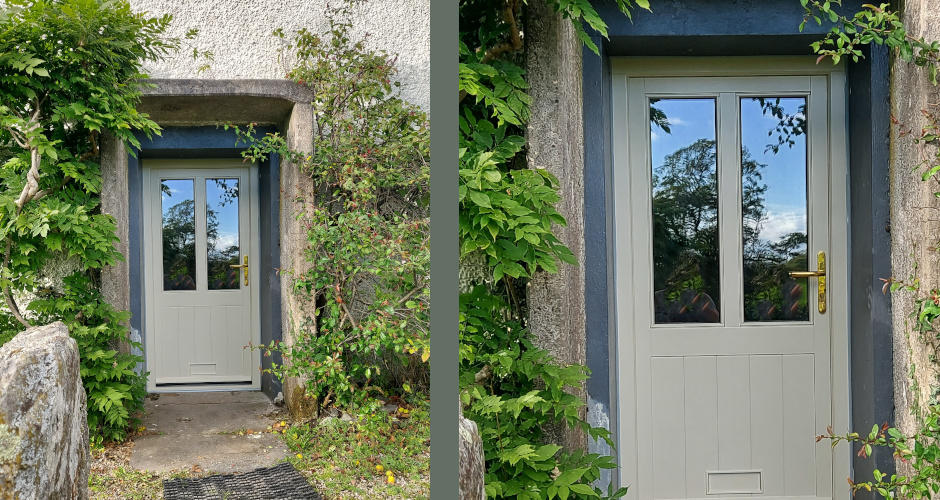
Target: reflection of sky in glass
[[689, 121], [222, 198], [785, 173], [175, 192]]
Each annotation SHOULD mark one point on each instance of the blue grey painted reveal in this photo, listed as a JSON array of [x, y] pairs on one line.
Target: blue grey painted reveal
[[744, 27], [213, 142]]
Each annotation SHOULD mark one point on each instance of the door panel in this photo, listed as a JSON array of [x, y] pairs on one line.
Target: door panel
[[201, 311], [728, 182]]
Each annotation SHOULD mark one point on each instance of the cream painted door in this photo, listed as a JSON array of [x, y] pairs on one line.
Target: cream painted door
[[201, 312], [729, 366]]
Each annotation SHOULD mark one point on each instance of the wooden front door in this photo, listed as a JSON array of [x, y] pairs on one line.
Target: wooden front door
[[201, 311], [729, 203]]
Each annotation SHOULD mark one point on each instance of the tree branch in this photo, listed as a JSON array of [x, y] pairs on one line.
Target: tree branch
[[510, 13], [32, 180], [409, 295], [11, 303]]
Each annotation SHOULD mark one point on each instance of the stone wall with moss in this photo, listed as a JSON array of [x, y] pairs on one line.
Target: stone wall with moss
[[915, 222]]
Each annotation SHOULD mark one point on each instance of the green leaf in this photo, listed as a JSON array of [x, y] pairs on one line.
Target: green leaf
[[570, 476], [480, 199], [547, 451], [583, 489]]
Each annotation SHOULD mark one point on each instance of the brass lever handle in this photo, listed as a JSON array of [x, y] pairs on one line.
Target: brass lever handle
[[806, 274], [242, 266], [821, 282]]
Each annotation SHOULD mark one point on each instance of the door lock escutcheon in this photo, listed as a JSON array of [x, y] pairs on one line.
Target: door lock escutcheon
[[820, 274], [244, 267]]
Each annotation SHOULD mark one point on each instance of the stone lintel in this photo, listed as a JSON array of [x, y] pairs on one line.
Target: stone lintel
[[202, 102]]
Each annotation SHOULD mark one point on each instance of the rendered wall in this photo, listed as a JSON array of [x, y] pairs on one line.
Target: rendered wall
[[915, 220], [238, 32]]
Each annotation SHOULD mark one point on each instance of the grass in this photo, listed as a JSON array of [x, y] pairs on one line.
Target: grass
[[130, 484], [377, 455]]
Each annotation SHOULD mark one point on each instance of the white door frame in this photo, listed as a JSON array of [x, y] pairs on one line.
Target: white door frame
[[252, 248], [624, 391]]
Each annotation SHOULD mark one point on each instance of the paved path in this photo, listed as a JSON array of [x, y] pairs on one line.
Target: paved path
[[196, 430]]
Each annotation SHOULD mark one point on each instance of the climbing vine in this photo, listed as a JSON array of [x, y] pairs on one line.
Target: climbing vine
[[919, 451], [367, 232], [511, 388], [70, 71]]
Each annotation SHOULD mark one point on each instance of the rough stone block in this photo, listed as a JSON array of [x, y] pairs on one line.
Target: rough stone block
[[472, 465], [43, 417]]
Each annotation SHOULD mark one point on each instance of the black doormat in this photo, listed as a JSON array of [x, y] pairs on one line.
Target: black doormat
[[281, 482]]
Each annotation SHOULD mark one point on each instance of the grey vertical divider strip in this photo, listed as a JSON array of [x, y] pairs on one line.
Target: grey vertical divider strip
[[444, 250], [213, 142], [716, 31], [871, 331]]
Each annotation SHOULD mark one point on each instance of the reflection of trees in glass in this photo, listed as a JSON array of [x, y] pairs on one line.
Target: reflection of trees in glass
[[769, 293], [179, 245], [685, 232], [228, 190], [658, 117], [685, 235], [221, 275], [789, 126]]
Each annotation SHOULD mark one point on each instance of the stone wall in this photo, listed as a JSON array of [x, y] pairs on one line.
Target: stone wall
[[555, 143], [914, 219], [43, 427], [294, 307]]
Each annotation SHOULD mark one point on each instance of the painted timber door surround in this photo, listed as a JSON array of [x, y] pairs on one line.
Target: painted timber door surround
[[729, 175], [201, 262]]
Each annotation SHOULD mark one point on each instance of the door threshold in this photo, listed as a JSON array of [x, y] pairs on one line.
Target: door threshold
[[202, 388]]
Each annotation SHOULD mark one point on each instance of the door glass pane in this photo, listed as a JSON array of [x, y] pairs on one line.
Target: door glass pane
[[179, 234], [773, 158], [222, 233], [685, 210]]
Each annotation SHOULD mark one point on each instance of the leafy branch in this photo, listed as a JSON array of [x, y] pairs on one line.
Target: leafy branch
[[873, 24]]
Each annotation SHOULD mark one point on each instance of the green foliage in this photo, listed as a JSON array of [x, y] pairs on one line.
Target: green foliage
[[506, 214], [920, 451], [368, 249], [71, 70], [509, 387], [115, 390], [374, 455], [513, 390], [873, 24]]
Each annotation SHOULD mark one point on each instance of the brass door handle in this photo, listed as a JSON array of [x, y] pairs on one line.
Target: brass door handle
[[821, 282], [242, 266], [806, 274]]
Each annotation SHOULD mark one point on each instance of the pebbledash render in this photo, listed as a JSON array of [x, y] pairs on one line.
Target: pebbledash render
[[712, 385], [193, 336]]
